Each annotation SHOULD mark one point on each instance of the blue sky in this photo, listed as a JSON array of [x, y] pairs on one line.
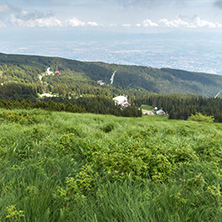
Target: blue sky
[[120, 31]]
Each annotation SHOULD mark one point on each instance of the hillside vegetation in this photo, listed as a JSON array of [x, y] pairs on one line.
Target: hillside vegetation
[[19, 78], [87, 167]]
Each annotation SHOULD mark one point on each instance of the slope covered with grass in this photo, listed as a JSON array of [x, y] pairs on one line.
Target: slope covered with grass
[[87, 167]]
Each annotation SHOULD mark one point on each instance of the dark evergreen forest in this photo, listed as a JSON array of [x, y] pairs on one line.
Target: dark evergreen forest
[[182, 106]]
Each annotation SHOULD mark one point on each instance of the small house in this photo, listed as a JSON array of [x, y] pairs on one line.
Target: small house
[[147, 112], [100, 82], [47, 95], [121, 101], [160, 112]]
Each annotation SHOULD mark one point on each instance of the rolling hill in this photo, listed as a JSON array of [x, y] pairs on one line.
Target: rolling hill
[[25, 75]]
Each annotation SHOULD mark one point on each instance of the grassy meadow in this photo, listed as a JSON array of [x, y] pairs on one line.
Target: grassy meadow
[[59, 166]]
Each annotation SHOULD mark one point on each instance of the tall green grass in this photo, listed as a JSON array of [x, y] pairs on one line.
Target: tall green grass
[[85, 167]]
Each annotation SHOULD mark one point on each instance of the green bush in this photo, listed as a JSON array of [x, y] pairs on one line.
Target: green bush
[[108, 128], [201, 118]]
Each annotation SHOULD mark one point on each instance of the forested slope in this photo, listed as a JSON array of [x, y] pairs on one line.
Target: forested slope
[[22, 72]]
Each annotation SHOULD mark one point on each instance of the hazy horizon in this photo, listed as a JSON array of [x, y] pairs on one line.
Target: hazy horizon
[[185, 35]]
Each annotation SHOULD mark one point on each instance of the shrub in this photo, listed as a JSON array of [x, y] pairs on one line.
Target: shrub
[[13, 213], [201, 118], [108, 128]]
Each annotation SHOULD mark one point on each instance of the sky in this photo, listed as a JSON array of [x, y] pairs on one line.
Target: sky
[[134, 15], [159, 33]]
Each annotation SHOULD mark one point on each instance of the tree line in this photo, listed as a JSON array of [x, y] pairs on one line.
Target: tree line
[[98, 105], [181, 106]]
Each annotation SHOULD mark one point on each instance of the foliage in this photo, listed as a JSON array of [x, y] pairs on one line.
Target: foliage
[[76, 89], [86, 167], [13, 213], [201, 118], [23, 117], [182, 106], [97, 105]]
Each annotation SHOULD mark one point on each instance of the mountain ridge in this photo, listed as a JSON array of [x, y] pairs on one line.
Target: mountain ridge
[[77, 76]]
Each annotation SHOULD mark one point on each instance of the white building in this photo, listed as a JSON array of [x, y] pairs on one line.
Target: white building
[[100, 82], [160, 112], [47, 95], [121, 101]]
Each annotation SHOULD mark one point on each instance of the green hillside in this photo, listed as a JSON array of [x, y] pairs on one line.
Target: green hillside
[[87, 167], [20, 75]]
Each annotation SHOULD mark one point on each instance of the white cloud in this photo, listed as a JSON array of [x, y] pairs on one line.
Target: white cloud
[[196, 23], [48, 22], [175, 23], [149, 23], [21, 18], [92, 23], [203, 23], [27, 21], [75, 22], [37, 19]]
